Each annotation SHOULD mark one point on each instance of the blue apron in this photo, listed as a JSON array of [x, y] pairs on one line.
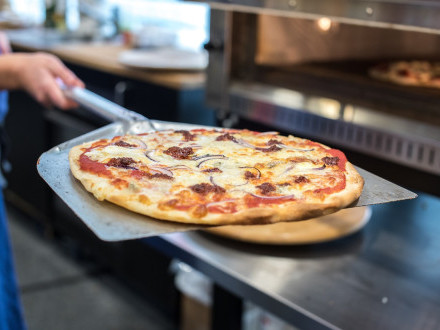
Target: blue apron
[[11, 315]]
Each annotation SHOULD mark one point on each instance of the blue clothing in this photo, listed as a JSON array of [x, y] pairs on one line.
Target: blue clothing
[[11, 315], [3, 105]]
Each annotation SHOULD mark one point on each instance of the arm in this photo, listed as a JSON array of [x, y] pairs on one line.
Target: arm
[[37, 73]]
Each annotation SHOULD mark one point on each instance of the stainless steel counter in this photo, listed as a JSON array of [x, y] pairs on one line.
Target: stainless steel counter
[[385, 277]]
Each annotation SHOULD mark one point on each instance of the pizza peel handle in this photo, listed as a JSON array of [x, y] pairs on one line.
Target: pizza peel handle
[[103, 107]]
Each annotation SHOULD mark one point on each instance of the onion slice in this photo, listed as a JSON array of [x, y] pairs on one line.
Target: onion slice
[[293, 148], [214, 157], [319, 168], [147, 154], [287, 170], [207, 156], [141, 143], [273, 197], [161, 170]]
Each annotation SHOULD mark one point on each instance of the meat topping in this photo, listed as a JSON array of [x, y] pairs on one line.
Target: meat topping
[[272, 142], [206, 188], [160, 176], [213, 170], [330, 160], [187, 135], [266, 188], [226, 137], [272, 148], [301, 179], [179, 153], [249, 175], [123, 162], [124, 144]]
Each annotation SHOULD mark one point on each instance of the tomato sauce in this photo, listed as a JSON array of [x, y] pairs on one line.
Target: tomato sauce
[[224, 208], [254, 201], [88, 165]]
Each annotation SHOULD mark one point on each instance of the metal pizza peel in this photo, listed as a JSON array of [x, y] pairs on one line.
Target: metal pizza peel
[[113, 223]]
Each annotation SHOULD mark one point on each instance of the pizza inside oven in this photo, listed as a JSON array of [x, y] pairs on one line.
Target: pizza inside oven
[[217, 176]]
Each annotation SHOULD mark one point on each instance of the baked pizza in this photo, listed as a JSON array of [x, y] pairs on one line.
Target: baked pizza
[[411, 73], [217, 176]]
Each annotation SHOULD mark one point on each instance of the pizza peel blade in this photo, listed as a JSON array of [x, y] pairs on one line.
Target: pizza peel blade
[[379, 191]]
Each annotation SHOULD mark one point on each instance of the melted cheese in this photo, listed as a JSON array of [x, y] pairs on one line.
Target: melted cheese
[[280, 168]]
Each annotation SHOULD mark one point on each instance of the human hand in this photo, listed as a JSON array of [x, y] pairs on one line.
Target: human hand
[[38, 73]]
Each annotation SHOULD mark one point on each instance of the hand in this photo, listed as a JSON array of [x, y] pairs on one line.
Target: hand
[[38, 74]]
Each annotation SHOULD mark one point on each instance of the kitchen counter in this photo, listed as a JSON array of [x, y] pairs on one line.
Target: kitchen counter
[[384, 277], [101, 56]]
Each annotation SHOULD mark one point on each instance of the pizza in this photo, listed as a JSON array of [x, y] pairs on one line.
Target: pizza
[[217, 176], [411, 73]]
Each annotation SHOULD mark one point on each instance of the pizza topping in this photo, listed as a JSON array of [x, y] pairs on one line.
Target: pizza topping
[[226, 137], [213, 170], [253, 200], [88, 165], [330, 160], [162, 170], [266, 188], [248, 176], [124, 144], [179, 153], [187, 136], [148, 155], [210, 158], [273, 142], [206, 156], [301, 179], [270, 149], [206, 188], [160, 176], [123, 162], [319, 168]]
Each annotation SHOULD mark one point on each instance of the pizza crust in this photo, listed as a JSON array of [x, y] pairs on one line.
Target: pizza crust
[[273, 213]]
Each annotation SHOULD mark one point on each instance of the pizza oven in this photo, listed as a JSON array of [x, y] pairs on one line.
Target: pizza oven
[[302, 67]]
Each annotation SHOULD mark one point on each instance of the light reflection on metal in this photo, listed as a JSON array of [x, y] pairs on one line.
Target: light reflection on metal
[[398, 139], [398, 14]]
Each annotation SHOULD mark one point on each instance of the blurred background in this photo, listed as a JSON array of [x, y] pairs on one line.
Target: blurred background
[[297, 67]]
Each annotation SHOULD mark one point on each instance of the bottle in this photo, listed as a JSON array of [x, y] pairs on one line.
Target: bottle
[[62, 15]]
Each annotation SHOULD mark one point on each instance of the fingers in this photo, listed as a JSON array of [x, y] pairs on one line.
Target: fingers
[[53, 93], [59, 70]]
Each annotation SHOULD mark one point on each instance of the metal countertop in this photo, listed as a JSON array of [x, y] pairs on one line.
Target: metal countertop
[[387, 276]]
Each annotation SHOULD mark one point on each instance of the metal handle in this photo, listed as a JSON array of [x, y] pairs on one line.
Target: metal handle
[[101, 106]]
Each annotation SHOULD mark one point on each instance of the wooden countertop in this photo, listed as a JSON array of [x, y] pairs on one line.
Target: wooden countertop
[[104, 57]]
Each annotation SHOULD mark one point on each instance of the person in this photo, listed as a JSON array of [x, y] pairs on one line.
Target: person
[[39, 75]]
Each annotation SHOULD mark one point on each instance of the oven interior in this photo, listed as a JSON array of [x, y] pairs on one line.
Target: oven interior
[[310, 77]]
